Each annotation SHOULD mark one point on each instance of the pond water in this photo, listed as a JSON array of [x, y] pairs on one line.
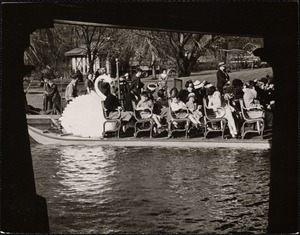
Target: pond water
[[153, 190]]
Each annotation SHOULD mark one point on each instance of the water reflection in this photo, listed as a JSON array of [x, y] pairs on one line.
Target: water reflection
[[153, 190], [83, 172]]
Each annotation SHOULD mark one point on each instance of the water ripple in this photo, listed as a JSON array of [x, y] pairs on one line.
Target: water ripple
[[153, 190]]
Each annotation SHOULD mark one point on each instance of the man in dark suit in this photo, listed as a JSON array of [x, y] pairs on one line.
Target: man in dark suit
[[136, 80], [222, 77]]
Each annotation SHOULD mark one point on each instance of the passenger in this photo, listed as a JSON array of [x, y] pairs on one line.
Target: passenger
[[163, 84], [162, 104], [250, 97], [183, 94], [128, 80], [79, 75], [181, 111], [270, 104], [215, 102], [123, 88], [194, 108], [260, 87], [97, 73], [89, 84], [127, 77], [71, 89], [113, 107], [162, 99], [133, 95], [151, 88], [234, 105], [52, 99], [173, 92], [143, 105], [199, 92], [222, 77], [47, 97], [136, 81], [238, 93]]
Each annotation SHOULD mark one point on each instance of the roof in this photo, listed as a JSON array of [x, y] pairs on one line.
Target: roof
[[78, 51]]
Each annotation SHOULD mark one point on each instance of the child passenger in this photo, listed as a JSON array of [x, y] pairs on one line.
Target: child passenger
[[180, 110], [194, 108], [144, 104], [162, 104]]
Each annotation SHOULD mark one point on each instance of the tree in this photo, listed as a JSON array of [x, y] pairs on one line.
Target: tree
[[94, 38], [148, 48], [47, 47], [185, 48]]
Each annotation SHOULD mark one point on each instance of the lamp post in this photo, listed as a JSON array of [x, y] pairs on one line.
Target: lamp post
[[118, 77]]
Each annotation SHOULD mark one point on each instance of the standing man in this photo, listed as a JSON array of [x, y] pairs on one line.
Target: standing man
[[136, 81], [79, 75], [71, 89], [222, 77]]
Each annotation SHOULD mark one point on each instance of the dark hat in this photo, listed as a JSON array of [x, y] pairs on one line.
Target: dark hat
[[74, 76], [264, 80]]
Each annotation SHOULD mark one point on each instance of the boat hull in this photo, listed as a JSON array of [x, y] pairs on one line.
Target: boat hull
[[56, 139]]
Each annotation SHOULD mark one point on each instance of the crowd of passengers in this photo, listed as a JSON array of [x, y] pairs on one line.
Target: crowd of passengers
[[258, 96], [155, 100]]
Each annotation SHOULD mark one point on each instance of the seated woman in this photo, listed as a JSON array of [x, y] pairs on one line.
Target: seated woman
[[162, 104], [238, 93], [112, 105], [180, 110], [173, 92], [215, 102], [251, 102], [194, 108], [183, 94], [234, 104], [144, 105]]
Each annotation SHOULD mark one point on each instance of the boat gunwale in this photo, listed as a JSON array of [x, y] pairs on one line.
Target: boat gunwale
[[132, 141]]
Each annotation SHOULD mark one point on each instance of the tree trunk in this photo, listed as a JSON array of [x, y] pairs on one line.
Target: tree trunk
[[185, 65]]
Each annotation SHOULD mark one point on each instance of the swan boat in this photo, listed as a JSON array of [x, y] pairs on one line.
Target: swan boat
[[81, 117], [50, 138]]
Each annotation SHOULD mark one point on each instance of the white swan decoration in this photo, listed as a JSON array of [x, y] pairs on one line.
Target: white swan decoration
[[83, 116]]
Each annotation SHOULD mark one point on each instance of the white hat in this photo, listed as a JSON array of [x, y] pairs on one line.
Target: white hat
[[126, 74], [191, 95], [151, 87], [221, 64], [197, 84], [208, 85]]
